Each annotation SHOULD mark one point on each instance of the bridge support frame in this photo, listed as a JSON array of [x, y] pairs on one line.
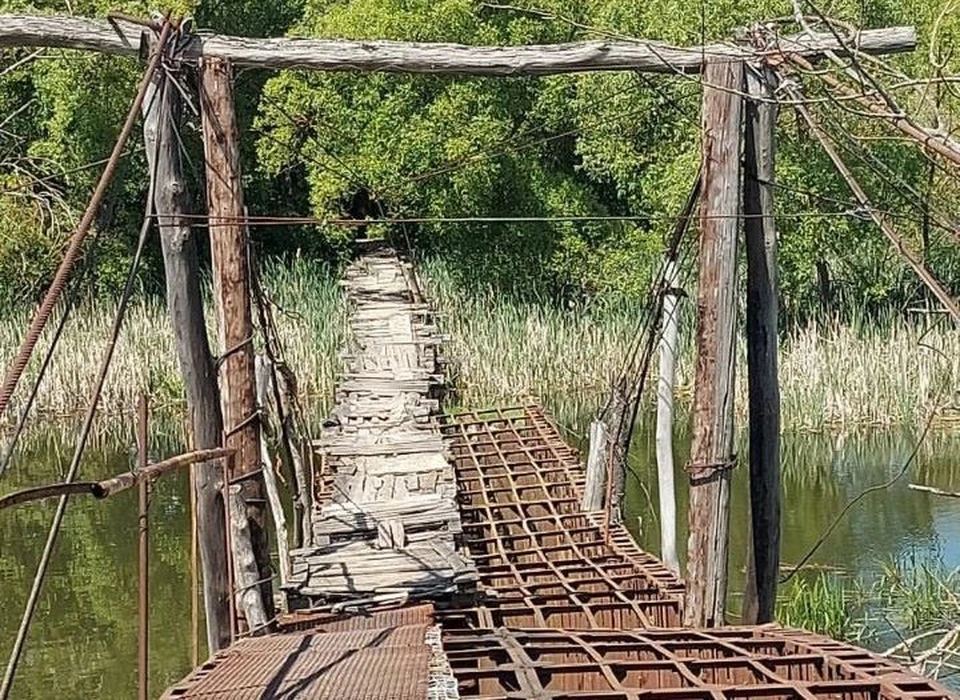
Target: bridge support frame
[[711, 454]]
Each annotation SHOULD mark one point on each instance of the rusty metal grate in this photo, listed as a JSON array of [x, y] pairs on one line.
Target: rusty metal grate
[[676, 664], [542, 561], [390, 663], [321, 620]]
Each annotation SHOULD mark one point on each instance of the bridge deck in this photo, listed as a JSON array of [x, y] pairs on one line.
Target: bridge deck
[[559, 606], [387, 520], [542, 561]]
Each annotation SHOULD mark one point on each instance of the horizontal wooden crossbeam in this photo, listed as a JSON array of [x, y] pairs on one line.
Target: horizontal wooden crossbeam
[[403, 57]]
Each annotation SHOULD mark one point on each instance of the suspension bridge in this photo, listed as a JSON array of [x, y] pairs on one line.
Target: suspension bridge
[[445, 554], [461, 563]]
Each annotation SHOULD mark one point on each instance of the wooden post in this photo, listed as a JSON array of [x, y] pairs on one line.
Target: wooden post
[[762, 344], [711, 457], [185, 306], [143, 556], [246, 568], [618, 450], [264, 370], [668, 363], [231, 277], [596, 477]]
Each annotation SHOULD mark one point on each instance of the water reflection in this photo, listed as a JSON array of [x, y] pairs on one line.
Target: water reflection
[[83, 641], [821, 474]]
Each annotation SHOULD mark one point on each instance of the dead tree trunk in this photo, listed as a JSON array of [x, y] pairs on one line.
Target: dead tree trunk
[[185, 306], [228, 246], [762, 345], [711, 455]]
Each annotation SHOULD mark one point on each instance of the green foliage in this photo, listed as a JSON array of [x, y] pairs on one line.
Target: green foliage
[[603, 144]]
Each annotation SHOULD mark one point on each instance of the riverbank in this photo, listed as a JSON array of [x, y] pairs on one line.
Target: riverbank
[[834, 377]]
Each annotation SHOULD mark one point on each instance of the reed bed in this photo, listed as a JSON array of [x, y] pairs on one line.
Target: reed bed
[[507, 347], [834, 376], [308, 309]]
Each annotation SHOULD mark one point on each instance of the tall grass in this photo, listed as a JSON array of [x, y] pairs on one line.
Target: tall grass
[[878, 372], [506, 348], [309, 311], [824, 603]]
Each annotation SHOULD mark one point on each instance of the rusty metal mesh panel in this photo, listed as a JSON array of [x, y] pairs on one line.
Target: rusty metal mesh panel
[[392, 663], [675, 664], [542, 561]]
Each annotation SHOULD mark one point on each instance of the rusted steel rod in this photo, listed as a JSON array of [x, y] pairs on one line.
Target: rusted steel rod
[[143, 556], [116, 484], [52, 296]]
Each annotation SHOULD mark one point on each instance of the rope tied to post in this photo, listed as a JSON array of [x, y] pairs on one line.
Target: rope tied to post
[[704, 471]]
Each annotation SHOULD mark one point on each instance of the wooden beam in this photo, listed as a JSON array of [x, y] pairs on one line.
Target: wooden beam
[[408, 57], [711, 454], [762, 346], [185, 307], [231, 282], [114, 485]]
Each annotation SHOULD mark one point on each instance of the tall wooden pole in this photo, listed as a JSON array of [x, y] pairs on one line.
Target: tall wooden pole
[[711, 457], [185, 306], [668, 363], [231, 277], [762, 345]]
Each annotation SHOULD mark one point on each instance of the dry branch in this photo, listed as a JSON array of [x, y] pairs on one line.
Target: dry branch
[[933, 490]]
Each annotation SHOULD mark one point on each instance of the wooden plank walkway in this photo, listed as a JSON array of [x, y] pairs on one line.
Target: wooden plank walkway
[[388, 522], [479, 513]]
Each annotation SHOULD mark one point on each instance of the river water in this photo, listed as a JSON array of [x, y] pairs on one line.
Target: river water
[[83, 641]]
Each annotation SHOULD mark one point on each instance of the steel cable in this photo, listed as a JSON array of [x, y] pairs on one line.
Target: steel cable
[[74, 468]]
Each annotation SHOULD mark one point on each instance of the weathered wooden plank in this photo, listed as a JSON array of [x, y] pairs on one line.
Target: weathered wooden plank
[[393, 520]]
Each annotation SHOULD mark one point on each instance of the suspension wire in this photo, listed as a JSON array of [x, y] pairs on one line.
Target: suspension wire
[[45, 310], [935, 216], [205, 220], [68, 306], [945, 298], [84, 434], [634, 396], [35, 388]]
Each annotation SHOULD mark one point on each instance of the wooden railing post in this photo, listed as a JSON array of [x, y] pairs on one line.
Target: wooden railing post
[[711, 457], [762, 345], [231, 278]]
